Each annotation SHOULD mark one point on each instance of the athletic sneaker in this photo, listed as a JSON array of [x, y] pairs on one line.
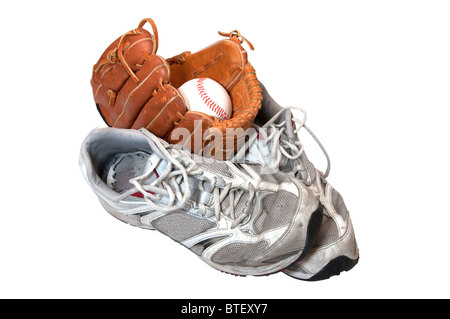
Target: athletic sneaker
[[240, 219], [274, 143]]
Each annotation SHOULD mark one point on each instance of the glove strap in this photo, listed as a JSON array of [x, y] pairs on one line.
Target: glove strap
[[155, 30], [237, 36], [134, 32]]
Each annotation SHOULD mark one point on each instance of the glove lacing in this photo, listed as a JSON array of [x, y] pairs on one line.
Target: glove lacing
[[117, 53]]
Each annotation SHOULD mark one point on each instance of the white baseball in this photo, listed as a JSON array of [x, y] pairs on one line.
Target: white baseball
[[207, 96]]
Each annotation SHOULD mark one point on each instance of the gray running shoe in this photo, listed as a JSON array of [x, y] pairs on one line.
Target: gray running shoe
[[240, 219], [274, 143]]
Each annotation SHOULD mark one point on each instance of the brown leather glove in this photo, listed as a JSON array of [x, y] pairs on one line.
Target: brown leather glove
[[135, 88], [130, 84]]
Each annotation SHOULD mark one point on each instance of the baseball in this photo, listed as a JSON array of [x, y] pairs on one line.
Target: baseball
[[207, 96]]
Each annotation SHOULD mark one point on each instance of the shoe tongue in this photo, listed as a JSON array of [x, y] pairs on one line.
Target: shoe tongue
[[258, 152], [240, 206], [138, 170], [289, 124], [207, 198], [159, 170], [214, 169]]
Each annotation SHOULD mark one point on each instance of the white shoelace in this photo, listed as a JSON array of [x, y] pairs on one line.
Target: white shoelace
[[180, 165], [290, 149]]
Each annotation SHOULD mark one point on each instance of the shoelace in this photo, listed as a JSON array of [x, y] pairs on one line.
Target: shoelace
[[179, 167], [290, 148], [235, 197]]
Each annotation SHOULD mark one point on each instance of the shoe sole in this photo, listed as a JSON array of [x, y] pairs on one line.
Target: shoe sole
[[334, 268], [312, 231]]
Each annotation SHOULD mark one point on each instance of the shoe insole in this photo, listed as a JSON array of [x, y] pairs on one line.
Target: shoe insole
[[126, 166]]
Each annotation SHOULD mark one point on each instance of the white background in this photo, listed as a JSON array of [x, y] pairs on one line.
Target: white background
[[374, 77]]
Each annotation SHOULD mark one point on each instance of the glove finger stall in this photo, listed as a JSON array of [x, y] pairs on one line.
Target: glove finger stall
[[161, 113], [133, 96]]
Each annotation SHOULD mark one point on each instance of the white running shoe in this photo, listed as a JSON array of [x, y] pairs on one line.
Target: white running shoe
[[274, 143], [240, 219]]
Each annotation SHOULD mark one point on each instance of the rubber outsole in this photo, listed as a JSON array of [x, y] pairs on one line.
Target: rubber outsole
[[334, 268], [312, 230]]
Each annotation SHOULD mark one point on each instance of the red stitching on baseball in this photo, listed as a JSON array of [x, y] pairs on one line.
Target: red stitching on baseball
[[209, 102]]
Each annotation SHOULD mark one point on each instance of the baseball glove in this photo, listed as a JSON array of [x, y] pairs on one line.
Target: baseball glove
[[135, 88]]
